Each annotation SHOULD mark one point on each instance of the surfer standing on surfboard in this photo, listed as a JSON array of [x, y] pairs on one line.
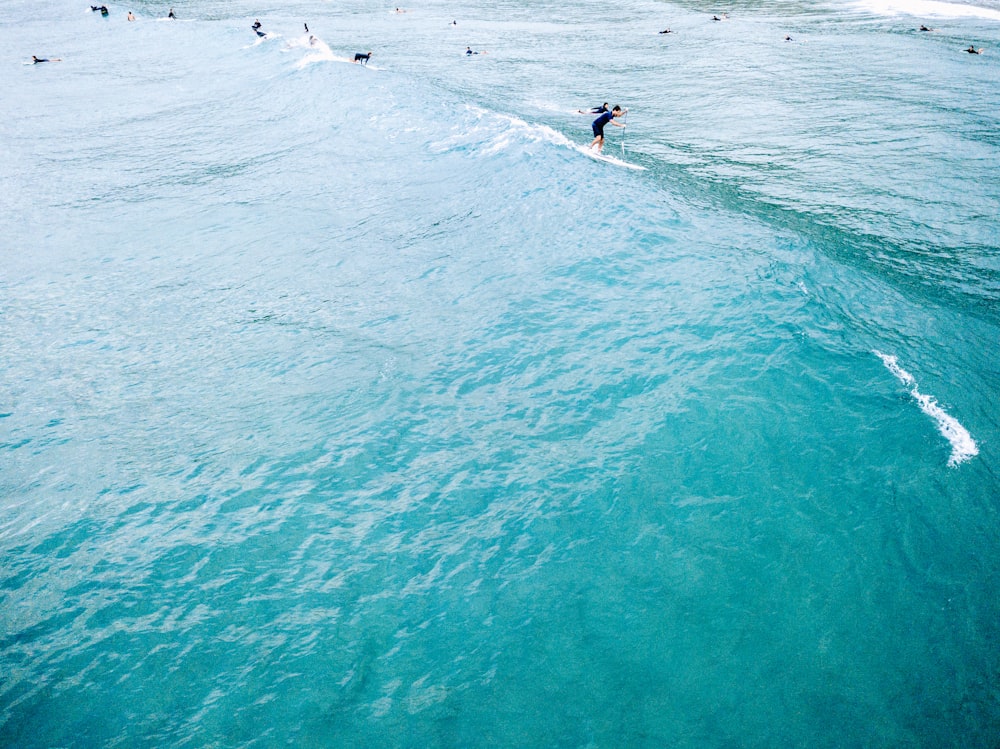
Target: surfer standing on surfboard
[[600, 122]]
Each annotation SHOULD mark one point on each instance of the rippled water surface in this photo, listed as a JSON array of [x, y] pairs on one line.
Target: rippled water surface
[[353, 406]]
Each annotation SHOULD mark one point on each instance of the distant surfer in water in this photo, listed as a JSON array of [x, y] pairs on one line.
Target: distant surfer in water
[[973, 51], [666, 31], [307, 27], [130, 16], [171, 14], [36, 60], [363, 58], [594, 110], [600, 122]]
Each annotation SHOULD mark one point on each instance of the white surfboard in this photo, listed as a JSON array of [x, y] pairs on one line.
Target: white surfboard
[[608, 159]]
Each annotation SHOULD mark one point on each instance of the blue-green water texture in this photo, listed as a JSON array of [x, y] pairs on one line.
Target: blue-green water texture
[[351, 405]]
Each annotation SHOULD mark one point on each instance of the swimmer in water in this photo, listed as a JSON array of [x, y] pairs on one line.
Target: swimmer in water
[[600, 122], [130, 16]]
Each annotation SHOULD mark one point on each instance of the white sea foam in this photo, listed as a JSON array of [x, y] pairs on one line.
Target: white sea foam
[[319, 51], [494, 133], [963, 447], [927, 8]]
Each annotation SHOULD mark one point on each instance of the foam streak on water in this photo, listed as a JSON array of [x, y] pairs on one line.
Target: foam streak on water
[[930, 9], [963, 447]]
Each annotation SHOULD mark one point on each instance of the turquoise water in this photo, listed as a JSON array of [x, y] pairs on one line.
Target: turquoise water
[[354, 407]]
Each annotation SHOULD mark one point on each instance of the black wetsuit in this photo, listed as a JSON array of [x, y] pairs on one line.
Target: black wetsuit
[[600, 122]]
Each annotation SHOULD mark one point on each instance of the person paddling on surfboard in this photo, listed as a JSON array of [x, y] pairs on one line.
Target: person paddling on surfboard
[[600, 122], [594, 110]]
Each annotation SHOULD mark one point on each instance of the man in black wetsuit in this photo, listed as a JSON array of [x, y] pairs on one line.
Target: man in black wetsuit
[[600, 122], [594, 110]]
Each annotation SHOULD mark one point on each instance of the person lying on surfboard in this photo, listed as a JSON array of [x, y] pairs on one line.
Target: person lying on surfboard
[[594, 110], [600, 122]]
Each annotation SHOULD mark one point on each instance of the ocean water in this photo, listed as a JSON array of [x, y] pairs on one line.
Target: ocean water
[[348, 406]]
